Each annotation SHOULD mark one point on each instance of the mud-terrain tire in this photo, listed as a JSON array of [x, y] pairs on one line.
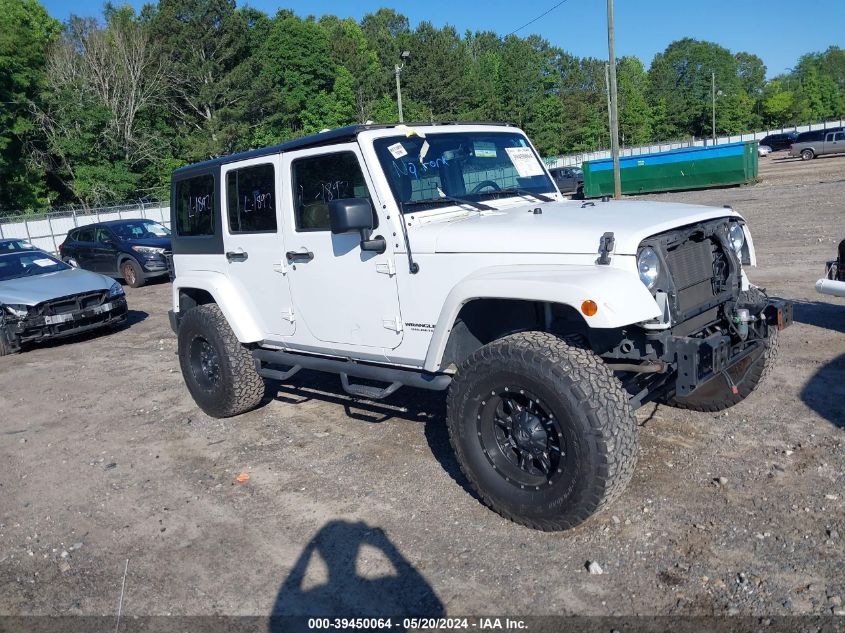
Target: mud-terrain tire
[[218, 370], [132, 273], [577, 406], [716, 394]]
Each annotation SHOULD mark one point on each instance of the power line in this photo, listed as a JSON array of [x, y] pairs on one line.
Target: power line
[[542, 15]]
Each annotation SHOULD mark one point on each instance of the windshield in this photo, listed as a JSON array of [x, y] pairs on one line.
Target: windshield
[[140, 230], [471, 166], [27, 264]]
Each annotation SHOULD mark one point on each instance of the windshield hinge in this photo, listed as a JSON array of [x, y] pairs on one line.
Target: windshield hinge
[[394, 324], [606, 245], [288, 315], [386, 268]]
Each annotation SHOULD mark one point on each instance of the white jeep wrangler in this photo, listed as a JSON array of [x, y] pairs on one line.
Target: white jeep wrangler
[[443, 257]]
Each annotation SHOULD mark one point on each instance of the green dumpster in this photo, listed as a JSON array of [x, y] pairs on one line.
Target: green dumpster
[[686, 168]]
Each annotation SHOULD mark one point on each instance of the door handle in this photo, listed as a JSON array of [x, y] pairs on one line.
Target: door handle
[[237, 256], [299, 256]]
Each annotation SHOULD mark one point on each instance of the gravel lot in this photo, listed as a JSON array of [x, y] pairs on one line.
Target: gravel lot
[[359, 508]]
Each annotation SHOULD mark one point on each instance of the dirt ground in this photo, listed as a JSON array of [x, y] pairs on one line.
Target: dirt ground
[[359, 508]]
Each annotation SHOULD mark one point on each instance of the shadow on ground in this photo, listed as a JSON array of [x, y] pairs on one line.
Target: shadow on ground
[[351, 570], [824, 393], [822, 314], [413, 405]]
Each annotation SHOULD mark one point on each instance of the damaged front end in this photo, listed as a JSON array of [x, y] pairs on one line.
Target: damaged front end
[[60, 317], [712, 319]]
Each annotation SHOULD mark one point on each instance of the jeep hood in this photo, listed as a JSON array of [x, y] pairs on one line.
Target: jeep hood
[[571, 227], [37, 288]]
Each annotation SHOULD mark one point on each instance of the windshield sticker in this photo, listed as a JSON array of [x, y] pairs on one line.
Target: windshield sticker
[[44, 262], [397, 150], [424, 150], [484, 149], [525, 161]]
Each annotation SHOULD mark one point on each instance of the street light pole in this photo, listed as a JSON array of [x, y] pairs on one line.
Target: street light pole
[[614, 115], [404, 56]]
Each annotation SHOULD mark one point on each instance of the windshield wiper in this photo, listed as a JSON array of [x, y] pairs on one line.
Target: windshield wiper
[[523, 192], [478, 205]]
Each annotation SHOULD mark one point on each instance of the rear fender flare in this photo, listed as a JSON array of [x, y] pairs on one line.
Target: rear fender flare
[[234, 306]]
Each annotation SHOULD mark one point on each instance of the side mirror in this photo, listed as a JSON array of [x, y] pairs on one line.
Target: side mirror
[[350, 214]]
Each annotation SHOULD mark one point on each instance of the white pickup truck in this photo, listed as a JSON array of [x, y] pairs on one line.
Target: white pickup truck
[[444, 257]]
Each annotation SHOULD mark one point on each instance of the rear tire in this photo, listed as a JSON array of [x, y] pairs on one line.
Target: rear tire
[[132, 273], [542, 430], [807, 154], [716, 395], [218, 370]]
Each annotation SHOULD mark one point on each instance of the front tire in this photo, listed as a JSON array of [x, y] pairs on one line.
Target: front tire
[[542, 430], [218, 370], [132, 273]]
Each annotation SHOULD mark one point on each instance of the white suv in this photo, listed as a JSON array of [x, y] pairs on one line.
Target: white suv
[[443, 257]]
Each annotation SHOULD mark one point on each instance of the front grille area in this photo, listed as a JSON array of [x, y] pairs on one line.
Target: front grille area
[[73, 303], [699, 271]]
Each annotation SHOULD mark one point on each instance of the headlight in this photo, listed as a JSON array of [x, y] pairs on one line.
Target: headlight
[[737, 237], [648, 265], [147, 249], [18, 311], [116, 290]]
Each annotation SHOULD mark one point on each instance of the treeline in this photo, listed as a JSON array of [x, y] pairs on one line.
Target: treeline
[[95, 111]]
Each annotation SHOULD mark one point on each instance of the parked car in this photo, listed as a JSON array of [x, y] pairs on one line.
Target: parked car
[[808, 145], [136, 250], [362, 251], [779, 142], [43, 298], [568, 178], [833, 282], [11, 245], [763, 150]]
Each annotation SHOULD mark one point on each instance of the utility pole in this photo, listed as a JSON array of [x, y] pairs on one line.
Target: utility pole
[[614, 115], [607, 85], [713, 95], [404, 56]]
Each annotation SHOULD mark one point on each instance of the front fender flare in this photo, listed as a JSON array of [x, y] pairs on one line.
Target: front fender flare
[[233, 305], [621, 297]]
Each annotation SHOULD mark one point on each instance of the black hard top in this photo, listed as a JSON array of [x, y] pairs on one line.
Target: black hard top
[[330, 137]]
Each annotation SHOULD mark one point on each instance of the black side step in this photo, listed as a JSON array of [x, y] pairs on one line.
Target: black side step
[[395, 377], [365, 391]]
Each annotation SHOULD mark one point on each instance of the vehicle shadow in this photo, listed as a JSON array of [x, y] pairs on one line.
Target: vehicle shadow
[[824, 393], [351, 570], [822, 314], [413, 405]]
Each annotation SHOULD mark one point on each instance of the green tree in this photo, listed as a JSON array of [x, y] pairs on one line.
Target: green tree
[[25, 33], [635, 116]]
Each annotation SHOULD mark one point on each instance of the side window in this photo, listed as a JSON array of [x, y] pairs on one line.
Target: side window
[[839, 136], [251, 196], [102, 236], [85, 235], [195, 206], [317, 180]]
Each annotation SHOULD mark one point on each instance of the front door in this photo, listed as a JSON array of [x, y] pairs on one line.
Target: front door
[[253, 241], [343, 295]]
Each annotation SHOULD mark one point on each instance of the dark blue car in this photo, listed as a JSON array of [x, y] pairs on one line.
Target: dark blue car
[[136, 250]]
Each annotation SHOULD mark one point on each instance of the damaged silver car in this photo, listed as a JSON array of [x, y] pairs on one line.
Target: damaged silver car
[[43, 298]]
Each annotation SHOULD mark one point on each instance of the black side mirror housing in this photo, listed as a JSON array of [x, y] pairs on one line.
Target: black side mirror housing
[[350, 214]]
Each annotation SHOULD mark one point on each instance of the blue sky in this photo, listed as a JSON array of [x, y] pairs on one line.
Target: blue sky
[[770, 28]]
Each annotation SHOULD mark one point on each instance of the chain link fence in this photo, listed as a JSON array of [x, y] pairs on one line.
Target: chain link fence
[[47, 230]]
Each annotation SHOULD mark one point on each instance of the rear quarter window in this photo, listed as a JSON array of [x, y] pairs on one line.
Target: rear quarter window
[[194, 206]]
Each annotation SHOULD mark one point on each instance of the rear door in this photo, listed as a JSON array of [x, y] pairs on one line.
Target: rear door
[[104, 252], [254, 242], [835, 143], [84, 248]]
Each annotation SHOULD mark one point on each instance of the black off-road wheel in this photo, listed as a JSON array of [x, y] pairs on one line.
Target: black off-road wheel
[[542, 430], [132, 273], [717, 394], [218, 370]]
